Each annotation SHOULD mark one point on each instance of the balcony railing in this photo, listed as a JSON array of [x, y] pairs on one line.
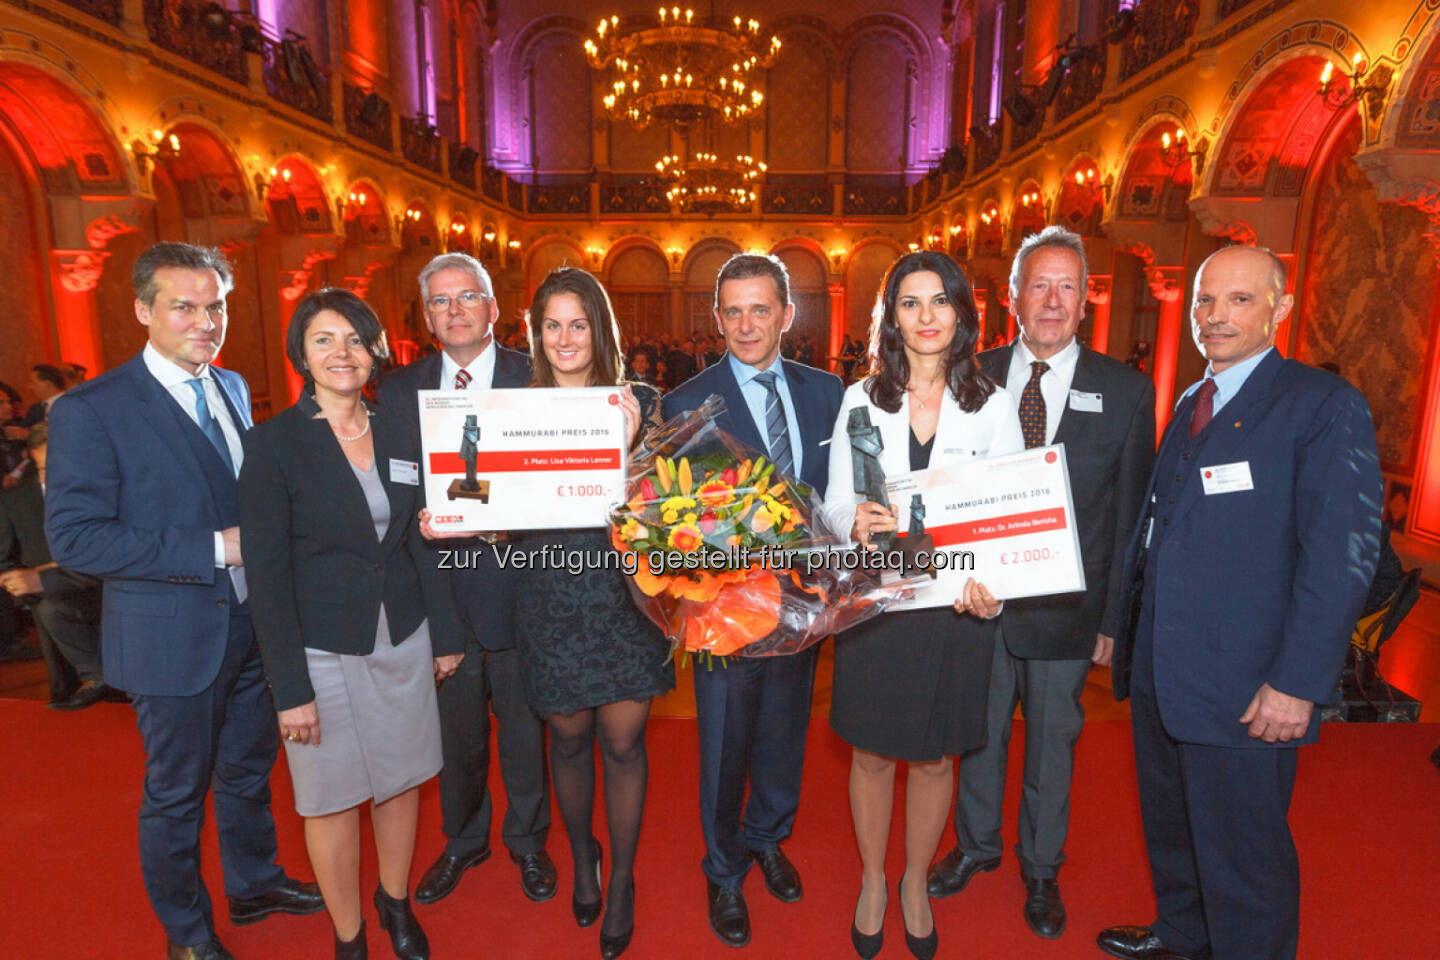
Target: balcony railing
[[204, 34], [1161, 26], [294, 78], [798, 195], [869, 197], [462, 165], [107, 10], [420, 144], [1228, 7], [367, 116], [570, 197], [1083, 83], [492, 183], [633, 194], [987, 145]]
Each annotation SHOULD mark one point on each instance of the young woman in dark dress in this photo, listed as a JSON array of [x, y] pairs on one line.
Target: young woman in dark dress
[[592, 660], [912, 685]]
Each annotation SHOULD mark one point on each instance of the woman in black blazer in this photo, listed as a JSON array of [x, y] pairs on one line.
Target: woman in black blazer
[[354, 621]]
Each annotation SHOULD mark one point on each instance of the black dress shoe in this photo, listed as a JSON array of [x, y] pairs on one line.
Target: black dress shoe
[[612, 946], [537, 875], [781, 877], [353, 949], [213, 950], [729, 917], [1044, 910], [922, 948], [1136, 943], [288, 896], [88, 694], [587, 913], [953, 871], [867, 945], [407, 940], [444, 873]]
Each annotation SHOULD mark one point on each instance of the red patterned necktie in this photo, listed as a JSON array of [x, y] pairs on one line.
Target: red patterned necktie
[[1204, 407], [462, 379], [1032, 407]]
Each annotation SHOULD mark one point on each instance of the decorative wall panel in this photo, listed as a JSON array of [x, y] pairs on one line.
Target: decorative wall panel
[[875, 107], [798, 107]]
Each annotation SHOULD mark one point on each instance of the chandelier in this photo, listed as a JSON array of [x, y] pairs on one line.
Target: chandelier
[[708, 184], [683, 71]]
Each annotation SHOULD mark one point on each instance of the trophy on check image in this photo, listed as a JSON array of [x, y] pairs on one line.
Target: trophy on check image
[[865, 448], [470, 488]]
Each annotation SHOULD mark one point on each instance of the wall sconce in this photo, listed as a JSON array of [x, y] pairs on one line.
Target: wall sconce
[[413, 215], [934, 240], [144, 156], [489, 236], [955, 229], [513, 245], [677, 254], [837, 257], [357, 197], [914, 246], [457, 227], [989, 216], [595, 252], [1175, 150], [1340, 93], [1084, 177]]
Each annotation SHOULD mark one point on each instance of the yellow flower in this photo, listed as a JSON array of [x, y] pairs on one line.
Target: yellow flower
[[633, 530], [762, 520], [676, 504], [686, 538]]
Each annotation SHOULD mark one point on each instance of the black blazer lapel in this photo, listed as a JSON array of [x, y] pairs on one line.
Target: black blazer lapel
[[185, 440], [996, 365], [401, 496], [511, 369], [742, 424], [1076, 427]]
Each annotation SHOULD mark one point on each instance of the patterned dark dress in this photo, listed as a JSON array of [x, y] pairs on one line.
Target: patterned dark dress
[[582, 640], [914, 684]]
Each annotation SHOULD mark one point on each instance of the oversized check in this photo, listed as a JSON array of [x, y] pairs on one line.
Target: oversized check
[[525, 459], [1011, 515]]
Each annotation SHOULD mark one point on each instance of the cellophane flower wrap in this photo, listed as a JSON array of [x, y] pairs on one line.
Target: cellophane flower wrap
[[723, 538]]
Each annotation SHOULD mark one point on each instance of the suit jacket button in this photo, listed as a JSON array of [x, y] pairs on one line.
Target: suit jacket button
[[219, 603]]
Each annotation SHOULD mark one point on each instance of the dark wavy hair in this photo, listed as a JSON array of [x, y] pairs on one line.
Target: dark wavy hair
[[890, 373], [607, 365]]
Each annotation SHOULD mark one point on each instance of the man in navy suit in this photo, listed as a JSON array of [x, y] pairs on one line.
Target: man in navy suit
[[1104, 414], [460, 311], [141, 493], [1251, 563], [753, 715]]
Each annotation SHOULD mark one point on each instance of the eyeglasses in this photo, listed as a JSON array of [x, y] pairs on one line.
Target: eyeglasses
[[468, 298]]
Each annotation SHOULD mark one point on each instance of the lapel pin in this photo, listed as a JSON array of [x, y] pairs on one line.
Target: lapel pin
[[1237, 424]]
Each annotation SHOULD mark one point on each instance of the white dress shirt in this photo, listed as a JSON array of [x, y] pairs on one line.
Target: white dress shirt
[[176, 380], [1054, 383], [481, 369]]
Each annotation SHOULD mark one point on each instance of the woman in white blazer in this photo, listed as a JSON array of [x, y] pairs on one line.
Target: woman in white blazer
[[912, 685]]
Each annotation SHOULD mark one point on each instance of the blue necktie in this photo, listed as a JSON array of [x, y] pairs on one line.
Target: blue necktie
[[209, 425], [777, 428]]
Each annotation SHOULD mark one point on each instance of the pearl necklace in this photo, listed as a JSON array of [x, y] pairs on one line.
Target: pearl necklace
[[342, 437]]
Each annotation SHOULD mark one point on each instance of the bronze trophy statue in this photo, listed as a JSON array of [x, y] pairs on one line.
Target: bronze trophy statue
[[865, 448], [470, 488]]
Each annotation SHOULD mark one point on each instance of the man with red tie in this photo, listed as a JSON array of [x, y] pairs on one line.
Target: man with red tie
[[1250, 564], [460, 311]]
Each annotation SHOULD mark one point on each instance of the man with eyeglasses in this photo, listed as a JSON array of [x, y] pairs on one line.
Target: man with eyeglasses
[[460, 311], [140, 492]]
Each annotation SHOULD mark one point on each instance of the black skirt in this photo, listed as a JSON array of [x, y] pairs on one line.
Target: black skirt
[[913, 685]]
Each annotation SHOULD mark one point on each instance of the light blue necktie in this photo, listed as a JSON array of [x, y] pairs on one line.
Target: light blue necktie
[[777, 428], [210, 425]]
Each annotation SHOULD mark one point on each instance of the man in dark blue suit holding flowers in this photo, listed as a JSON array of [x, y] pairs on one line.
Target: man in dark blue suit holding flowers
[[753, 714]]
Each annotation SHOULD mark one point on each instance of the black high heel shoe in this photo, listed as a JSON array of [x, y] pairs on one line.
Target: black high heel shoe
[[867, 945], [922, 948], [587, 913], [612, 947], [406, 938], [354, 949]]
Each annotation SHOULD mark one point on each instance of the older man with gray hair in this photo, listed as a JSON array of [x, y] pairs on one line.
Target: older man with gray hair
[[1104, 414], [460, 311]]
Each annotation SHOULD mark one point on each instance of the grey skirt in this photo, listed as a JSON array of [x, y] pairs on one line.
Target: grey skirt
[[379, 725]]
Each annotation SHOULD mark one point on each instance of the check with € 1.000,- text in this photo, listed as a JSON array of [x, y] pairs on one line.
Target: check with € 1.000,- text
[[525, 459]]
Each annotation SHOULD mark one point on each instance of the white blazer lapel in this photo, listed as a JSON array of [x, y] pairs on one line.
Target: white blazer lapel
[[895, 432]]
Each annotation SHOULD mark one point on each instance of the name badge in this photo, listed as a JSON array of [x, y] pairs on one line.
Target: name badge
[[404, 471], [1227, 478], [1087, 402]]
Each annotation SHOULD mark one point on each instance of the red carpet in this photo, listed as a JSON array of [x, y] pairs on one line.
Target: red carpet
[[1366, 815]]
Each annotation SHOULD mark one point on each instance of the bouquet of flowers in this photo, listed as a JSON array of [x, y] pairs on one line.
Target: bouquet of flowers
[[730, 560]]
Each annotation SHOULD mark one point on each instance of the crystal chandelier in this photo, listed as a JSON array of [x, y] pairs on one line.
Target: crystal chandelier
[[683, 71], [708, 184]]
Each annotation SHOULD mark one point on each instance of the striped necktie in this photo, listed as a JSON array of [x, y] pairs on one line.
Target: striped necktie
[[1032, 407], [209, 425], [462, 379], [777, 428]]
